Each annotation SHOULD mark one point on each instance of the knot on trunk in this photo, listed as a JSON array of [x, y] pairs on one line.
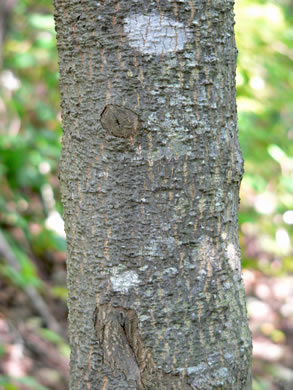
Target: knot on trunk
[[119, 121]]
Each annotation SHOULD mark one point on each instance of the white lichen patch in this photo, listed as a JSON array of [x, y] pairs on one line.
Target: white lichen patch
[[193, 370], [124, 281], [233, 257], [153, 34]]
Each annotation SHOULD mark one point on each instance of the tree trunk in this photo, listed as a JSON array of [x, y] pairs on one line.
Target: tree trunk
[[150, 173]]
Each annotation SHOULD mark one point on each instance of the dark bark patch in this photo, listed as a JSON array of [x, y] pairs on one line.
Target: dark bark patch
[[120, 121]]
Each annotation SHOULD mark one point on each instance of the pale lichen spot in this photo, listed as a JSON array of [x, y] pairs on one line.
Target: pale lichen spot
[[155, 34], [233, 257], [224, 235], [124, 281]]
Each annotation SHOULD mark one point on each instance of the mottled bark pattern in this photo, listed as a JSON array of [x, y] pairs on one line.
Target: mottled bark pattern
[[150, 173]]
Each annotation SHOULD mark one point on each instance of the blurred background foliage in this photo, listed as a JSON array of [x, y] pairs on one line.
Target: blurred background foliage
[[33, 342], [265, 106]]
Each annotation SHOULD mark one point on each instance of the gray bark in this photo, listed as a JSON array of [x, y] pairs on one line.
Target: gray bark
[[150, 174]]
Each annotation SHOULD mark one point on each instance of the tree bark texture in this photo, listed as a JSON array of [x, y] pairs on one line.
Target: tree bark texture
[[150, 174]]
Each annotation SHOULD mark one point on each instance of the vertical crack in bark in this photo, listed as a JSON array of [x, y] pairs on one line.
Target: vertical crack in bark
[[110, 325], [118, 333]]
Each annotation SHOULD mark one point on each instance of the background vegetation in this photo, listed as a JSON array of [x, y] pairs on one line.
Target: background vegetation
[[33, 343]]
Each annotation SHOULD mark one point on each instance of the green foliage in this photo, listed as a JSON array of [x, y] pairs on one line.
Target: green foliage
[[25, 274], [8, 383], [60, 292], [54, 338], [259, 384], [265, 109], [30, 137]]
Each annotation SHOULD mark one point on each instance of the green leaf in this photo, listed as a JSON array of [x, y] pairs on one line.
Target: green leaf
[[30, 381], [41, 22], [60, 292], [51, 336]]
